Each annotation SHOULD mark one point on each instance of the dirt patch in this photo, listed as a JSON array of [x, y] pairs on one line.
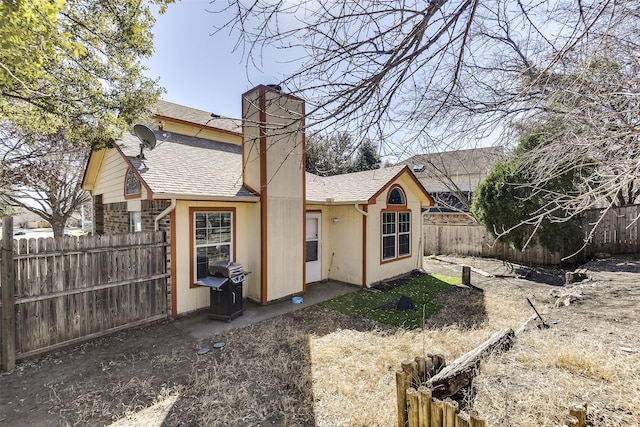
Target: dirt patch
[[319, 367]]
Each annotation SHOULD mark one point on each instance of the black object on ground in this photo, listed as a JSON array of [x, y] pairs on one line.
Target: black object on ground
[[405, 303], [544, 325]]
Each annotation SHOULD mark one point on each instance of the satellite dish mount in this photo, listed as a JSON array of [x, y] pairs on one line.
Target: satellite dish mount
[[147, 139]]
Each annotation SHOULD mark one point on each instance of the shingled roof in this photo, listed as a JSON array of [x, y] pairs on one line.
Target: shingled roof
[[461, 162], [188, 167], [357, 187], [199, 117]]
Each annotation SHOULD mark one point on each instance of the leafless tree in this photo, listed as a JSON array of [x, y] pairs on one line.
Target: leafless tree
[[403, 66], [418, 75], [42, 175]]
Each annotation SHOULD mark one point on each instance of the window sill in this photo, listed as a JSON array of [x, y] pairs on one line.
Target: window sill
[[400, 258]]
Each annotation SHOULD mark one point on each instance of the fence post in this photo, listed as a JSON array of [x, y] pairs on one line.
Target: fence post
[[8, 301], [466, 275], [402, 383]]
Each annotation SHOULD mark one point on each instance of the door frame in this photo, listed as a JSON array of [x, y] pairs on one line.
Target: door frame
[[316, 270]]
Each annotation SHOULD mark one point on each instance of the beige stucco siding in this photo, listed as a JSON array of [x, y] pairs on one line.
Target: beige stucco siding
[[251, 141], [200, 132], [285, 248], [341, 243], [110, 180], [245, 244], [285, 214], [378, 270]]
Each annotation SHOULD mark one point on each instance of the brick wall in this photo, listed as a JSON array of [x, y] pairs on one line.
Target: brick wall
[[115, 220], [98, 215], [150, 210]]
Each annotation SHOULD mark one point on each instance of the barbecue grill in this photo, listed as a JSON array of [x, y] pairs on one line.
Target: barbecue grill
[[225, 281]]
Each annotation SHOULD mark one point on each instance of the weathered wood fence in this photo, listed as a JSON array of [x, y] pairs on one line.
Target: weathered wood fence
[[71, 289], [616, 233], [416, 405], [418, 408], [475, 240]]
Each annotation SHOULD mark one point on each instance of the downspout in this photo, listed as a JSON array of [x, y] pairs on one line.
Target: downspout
[[365, 214], [164, 213], [420, 260], [360, 210]]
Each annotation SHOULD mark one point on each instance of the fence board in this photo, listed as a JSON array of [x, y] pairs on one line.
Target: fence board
[[74, 288], [616, 233], [474, 240]]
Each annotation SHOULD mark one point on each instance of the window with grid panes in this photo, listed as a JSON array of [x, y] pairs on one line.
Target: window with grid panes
[[212, 240]]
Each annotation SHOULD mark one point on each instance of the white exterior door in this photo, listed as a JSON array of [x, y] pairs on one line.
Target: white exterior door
[[314, 247]]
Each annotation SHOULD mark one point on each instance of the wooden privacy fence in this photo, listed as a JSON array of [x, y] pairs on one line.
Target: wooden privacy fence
[[617, 232], [475, 240], [70, 289]]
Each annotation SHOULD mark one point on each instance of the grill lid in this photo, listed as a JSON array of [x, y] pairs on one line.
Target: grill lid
[[226, 269]]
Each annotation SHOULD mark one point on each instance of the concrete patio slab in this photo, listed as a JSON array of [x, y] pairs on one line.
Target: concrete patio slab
[[199, 326]]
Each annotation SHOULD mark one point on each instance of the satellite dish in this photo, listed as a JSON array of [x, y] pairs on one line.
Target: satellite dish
[[147, 139]]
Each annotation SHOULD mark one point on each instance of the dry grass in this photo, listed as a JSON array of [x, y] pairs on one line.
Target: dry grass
[[354, 372], [547, 371], [320, 367]]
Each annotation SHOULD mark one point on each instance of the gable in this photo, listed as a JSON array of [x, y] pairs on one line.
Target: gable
[[105, 174]]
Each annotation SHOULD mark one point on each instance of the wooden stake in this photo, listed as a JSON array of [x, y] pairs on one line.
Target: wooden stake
[[450, 410], [476, 421], [466, 275], [570, 421], [438, 362], [424, 395], [462, 420], [580, 413], [410, 367], [437, 407], [401, 391], [422, 369], [7, 297], [413, 407]]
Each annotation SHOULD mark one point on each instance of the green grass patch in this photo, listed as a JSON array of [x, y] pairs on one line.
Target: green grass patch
[[422, 291]]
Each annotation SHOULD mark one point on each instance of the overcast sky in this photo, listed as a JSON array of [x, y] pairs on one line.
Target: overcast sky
[[199, 70]]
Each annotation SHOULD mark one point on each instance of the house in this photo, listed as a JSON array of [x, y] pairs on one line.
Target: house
[[226, 189], [451, 177]]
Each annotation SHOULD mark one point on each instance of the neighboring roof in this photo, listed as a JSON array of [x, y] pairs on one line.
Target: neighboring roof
[[461, 162], [195, 116], [357, 187], [188, 167]]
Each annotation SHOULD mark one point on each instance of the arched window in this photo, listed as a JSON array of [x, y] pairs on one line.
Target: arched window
[[396, 227], [131, 183], [396, 197]]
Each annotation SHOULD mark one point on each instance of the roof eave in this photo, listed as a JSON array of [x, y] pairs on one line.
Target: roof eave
[[337, 203], [200, 197]]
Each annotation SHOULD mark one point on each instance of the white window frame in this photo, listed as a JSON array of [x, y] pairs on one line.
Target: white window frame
[[135, 221], [392, 234], [396, 229], [403, 233], [218, 244]]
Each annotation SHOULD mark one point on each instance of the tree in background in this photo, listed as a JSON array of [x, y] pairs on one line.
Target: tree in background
[[452, 72], [76, 64], [367, 157], [43, 176], [508, 208], [338, 154]]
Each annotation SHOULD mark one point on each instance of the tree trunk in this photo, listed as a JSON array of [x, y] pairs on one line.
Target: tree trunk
[[461, 371]]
